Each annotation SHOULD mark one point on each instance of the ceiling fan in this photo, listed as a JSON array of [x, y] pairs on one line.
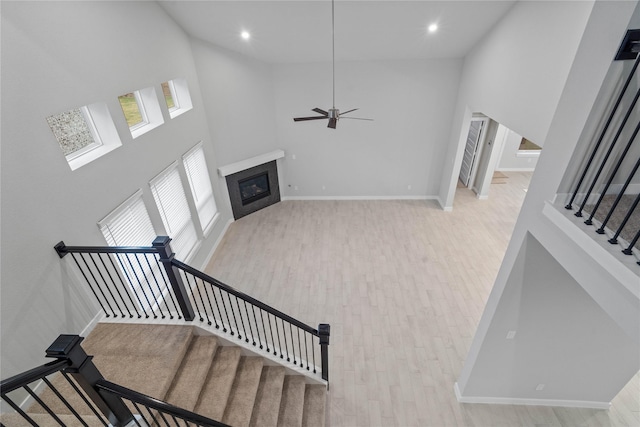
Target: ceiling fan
[[333, 114]]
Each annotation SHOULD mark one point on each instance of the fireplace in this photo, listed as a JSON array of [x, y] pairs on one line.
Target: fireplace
[[253, 188]]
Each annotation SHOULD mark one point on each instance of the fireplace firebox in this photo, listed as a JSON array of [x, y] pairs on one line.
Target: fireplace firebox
[[253, 189]]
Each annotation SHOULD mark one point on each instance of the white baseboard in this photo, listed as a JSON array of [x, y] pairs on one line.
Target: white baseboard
[[515, 169], [87, 329], [216, 244], [530, 402], [359, 198]]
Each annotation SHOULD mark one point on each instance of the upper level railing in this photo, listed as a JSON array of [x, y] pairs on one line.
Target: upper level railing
[[607, 190], [148, 282], [73, 387]]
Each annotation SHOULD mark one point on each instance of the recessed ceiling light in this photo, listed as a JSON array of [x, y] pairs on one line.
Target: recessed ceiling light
[[433, 28], [245, 35]]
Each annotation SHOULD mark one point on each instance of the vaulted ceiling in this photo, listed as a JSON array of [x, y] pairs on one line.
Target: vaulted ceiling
[[300, 30]]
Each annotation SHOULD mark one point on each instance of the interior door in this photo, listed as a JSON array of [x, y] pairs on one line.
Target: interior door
[[470, 151]]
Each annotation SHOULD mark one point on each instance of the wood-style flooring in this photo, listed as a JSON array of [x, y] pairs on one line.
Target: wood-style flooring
[[403, 285]]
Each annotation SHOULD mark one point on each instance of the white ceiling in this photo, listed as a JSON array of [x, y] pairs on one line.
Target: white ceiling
[[300, 30]]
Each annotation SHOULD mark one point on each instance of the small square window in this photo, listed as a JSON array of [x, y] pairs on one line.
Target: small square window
[[177, 97], [169, 95], [133, 109], [84, 134]]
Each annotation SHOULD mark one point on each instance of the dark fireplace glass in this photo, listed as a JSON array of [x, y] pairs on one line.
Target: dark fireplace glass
[[254, 188]]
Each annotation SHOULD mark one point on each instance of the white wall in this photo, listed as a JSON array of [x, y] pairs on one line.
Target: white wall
[[57, 56], [411, 103], [588, 287], [515, 75], [509, 160]]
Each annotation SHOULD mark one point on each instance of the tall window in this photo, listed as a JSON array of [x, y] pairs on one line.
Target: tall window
[[128, 224], [196, 167], [173, 207]]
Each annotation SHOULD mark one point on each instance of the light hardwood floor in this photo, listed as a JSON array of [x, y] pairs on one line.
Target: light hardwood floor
[[403, 285]]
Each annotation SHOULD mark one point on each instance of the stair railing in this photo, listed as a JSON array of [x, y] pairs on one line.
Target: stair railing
[[610, 170], [88, 389], [148, 282]]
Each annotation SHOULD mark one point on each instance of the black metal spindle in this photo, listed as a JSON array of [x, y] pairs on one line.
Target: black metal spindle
[[167, 285], [206, 292], [64, 401], [104, 265], [135, 405], [255, 320], [44, 405], [201, 299], [83, 397], [141, 287], [246, 312], [604, 131], [90, 287], [226, 313], [299, 346], [19, 410], [275, 321], [606, 157], [106, 300], [244, 331], [284, 335], [132, 285], [113, 298], [306, 350], [160, 290], [273, 343], [628, 250], [164, 419], [293, 346], [233, 313], [612, 176], [146, 279], [215, 299], [266, 338], [614, 239], [152, 415]]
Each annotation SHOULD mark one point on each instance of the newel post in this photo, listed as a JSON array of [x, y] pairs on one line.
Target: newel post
[[161, 243], [324, 332], [86, 374]]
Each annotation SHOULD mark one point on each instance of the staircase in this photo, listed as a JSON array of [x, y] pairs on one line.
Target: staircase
[[195, 372]]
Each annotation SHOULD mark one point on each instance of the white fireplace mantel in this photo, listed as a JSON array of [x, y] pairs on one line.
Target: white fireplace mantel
[[249, 163]]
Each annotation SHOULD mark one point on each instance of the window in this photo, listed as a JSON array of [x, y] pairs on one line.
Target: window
[[176, 95], [196, 167], [84, 134], [174, 210], [128, 224], [141, 111]]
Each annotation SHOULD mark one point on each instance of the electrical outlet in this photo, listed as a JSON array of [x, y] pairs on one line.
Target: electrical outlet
[[511, 335], [540, 387]]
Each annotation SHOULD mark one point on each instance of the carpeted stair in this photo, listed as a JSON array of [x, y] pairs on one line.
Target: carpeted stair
[[196, 373]]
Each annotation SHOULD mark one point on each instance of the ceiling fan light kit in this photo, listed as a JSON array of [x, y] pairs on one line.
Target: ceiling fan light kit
[[333, 114]]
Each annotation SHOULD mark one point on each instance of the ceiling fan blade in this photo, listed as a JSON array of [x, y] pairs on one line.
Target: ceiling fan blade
[[341, 114], [355, 118], [332, 123], [301, 119], [319, 111]]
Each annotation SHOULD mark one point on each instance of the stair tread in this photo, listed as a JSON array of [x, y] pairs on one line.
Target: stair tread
[[315, 400], [189, 379], [292, 403], [268, 396], [215, 393], [243, 393]]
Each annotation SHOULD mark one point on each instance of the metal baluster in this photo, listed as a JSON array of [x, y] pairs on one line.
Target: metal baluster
[[284, 334], [255, 320], [614, 239], [132, 286], [18, 410], [106, 300], [175, 420], [235, 320], [153, 417], [115, 285], [293, 345], [628, 250], [275, 321], [271, 330], [84, 398], [163, 274], [244, 331], [246, 311], [206, 287], [146, 279], [135, 405], [226, 313], [44, 405], [89, 283], [115, 301], [63, 400], [160, 291], [606, 157], [299, 346], [613, 174], [306, 350], [213, 291], [164, 419], [201, 299], [604, 131], [133, 270], [266, 338]]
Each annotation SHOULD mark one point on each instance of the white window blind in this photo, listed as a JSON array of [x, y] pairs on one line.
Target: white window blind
[[174, 210], [128, 224], [196, 167]]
